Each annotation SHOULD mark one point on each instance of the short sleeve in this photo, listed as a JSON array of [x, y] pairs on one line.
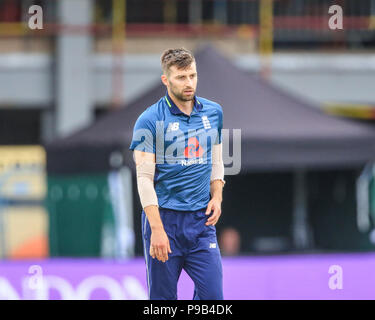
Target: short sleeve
[[144, 133], [220, 124]]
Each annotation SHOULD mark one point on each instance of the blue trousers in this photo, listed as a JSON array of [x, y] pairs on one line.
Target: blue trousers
[[194, 248]]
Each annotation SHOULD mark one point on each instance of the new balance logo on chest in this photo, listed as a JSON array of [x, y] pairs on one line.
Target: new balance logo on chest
[[173, 126], [206, 122]]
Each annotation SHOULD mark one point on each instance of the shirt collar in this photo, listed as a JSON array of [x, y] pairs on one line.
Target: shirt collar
[[175, 110]]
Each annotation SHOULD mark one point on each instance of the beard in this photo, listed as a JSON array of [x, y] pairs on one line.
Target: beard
[[181, 96]]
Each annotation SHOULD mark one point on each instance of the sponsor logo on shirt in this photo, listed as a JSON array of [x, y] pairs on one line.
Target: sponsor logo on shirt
[[193, 152], [190, 162]]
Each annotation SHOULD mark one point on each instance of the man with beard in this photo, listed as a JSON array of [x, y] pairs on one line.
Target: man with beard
[[180, 178]]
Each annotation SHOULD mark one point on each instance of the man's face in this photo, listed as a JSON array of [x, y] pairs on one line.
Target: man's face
[[182, 83]]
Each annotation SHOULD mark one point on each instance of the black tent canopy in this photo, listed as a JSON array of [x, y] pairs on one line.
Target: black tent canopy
[[279, 132]]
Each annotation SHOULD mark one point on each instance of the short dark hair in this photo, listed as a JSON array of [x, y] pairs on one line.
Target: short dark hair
[[180, 57]]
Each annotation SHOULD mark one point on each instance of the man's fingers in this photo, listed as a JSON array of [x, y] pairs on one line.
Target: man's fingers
[[209, 206], [157, 252], [160, 247], [165, 254], [210, 221], [161, 253], [152, 252], [214, 218]]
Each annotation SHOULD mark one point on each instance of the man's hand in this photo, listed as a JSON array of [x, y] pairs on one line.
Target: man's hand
[[159, 245], [215, 206]]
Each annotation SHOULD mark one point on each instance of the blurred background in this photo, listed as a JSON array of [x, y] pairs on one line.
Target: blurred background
[[75, 76]]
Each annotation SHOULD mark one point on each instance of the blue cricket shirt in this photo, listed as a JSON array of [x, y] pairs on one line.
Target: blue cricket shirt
[[182, 145]]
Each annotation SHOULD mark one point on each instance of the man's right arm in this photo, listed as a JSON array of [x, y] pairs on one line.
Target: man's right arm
[[145, 166]]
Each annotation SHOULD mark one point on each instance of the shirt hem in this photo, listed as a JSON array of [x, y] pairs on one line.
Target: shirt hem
[[174, 210]]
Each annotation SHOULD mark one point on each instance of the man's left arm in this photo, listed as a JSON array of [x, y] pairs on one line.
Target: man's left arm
[[216, 185]]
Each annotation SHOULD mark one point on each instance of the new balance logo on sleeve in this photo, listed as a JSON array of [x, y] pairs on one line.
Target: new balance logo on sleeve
[[173, 126]]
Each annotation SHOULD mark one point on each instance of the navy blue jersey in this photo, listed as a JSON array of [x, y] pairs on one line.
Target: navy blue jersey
[[182, 145]]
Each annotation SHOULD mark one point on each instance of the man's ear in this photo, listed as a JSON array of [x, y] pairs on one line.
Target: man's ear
[[164, 79]]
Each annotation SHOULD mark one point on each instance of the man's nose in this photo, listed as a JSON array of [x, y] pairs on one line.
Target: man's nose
[[189, 82]]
